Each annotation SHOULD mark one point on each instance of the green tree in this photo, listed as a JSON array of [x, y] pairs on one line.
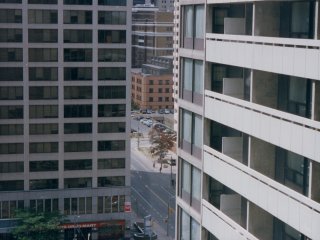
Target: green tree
[[161, 143], [40, 226]]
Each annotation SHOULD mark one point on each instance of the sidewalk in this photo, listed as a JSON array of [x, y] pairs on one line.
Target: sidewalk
[[150, 161]]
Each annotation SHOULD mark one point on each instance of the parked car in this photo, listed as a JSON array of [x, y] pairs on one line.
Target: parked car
[[161, 111], [148, 122], [166, 111]]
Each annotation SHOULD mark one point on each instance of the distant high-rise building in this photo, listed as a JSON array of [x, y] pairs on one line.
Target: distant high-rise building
[[64, 103], [165, 5], [152, 34], [248, 125]]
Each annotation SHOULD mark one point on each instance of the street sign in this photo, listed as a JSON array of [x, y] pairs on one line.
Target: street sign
[[127, 207]]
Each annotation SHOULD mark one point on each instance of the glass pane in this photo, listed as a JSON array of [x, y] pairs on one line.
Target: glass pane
[[187, 74], [186, 180], [187, 126], [197, 131], [185, 226], [198, 76], [189, 21], [196, 183], [199, 21]]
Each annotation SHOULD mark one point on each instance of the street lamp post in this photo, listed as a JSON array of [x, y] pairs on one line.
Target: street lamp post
[[168, 205]]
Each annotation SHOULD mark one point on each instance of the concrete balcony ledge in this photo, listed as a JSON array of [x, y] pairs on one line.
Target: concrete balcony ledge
[[287, 42], [294, 133], [289, 56], [219, 224], [289, 206]]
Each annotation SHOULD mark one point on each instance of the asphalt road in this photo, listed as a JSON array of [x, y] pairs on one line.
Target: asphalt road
[[150, 195]]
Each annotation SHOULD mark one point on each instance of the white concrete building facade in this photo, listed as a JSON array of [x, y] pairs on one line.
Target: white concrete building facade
[[65, 111], [248, 103]]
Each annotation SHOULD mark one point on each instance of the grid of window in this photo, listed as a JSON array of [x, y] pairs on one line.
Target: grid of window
[[40, 184], [11, 167], [11, 112], [78, 92], [111, 55], [43, 93], [14, 185], [11, 74], [75, 111], [10, 54], [116, 181], [80, 164], [113, 145], [39, 16], [113, 2], [43, 54], [111, 204], [44, 147], [10, 35], [75, 206], [112, 36], [111, 92], [77, 2], [43, 111], [77, 17], [11, 129], [11, 93], [43, 35], [111, 163], [44, 166], [10, 16], [111, 110], [8, 208], [44, 205], [112, 17], [82, 146], [43, 128], [112, 73], [73, 128], [11, 148], [43, 1], [78, 74], [77, 183], [77, 36], [77, 54], [10, 1], [43, 74], [111, 127]]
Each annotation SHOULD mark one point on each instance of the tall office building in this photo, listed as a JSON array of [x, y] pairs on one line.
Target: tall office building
[[64, 112], [249, 112]]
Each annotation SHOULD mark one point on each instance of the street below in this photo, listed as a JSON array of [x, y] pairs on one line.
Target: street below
[[152, 191]]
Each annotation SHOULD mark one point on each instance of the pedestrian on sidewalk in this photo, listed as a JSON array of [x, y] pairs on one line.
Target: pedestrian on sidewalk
[[160, 169]]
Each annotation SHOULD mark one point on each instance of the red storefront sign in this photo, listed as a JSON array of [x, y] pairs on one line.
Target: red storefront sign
[[93, 224], [127, 207]]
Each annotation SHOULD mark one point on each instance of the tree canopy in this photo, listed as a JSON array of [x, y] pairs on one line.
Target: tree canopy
[[40, 226], [161, 143]]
